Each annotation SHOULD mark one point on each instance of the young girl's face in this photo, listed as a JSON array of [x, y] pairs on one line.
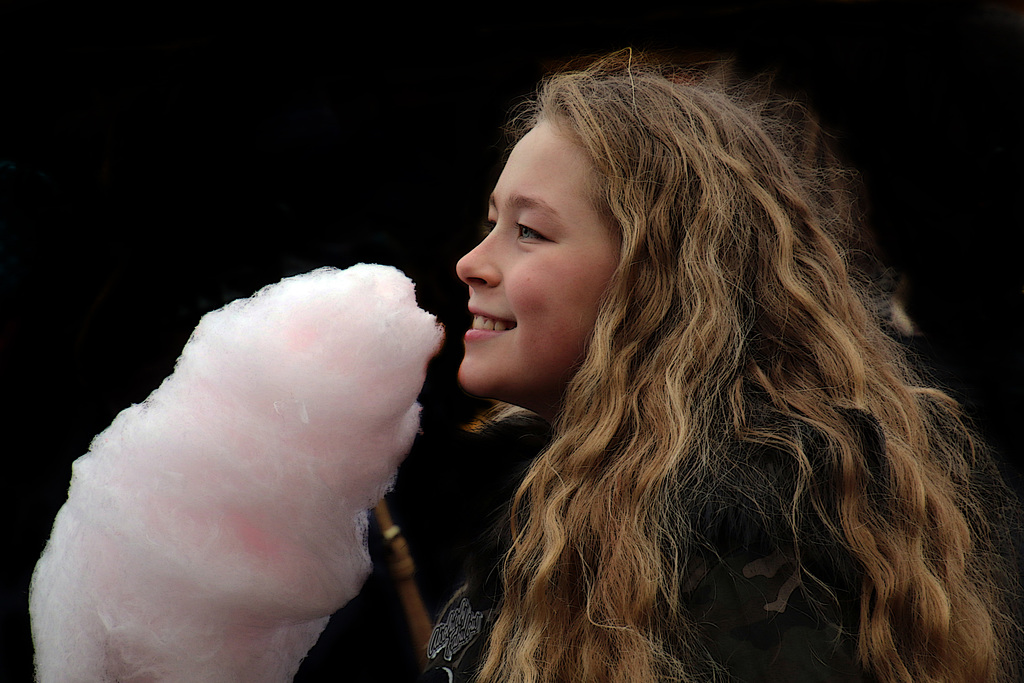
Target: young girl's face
[[536, 280]]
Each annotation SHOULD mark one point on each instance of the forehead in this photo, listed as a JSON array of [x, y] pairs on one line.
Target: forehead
[[545, 168]]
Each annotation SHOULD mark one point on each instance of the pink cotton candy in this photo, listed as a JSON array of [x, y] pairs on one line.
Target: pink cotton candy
[[211, 530]]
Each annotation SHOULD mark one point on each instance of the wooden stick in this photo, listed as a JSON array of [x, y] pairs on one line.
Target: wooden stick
[[403, 572]]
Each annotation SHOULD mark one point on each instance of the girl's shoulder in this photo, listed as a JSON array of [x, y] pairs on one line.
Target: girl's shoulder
[[762, 618]]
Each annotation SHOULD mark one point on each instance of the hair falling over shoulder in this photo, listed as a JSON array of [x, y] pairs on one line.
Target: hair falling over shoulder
[[734, 324]]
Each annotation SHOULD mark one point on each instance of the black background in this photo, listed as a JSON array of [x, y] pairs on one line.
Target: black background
[[160, 159]]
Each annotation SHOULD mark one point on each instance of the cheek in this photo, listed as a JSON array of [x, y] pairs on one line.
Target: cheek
[[558, 316]]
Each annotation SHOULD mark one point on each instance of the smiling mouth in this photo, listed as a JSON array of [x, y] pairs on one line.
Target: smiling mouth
[[483, 323]]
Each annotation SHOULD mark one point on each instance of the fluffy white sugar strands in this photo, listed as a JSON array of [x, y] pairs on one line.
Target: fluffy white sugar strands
[[211, 530]]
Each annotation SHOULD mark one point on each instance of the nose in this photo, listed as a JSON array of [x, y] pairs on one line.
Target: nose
[[478, 267]]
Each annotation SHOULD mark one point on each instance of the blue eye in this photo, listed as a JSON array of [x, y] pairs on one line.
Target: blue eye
[[527, 233]]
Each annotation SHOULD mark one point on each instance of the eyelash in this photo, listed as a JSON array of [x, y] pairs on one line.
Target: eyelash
[[489, 226], [524, 229]]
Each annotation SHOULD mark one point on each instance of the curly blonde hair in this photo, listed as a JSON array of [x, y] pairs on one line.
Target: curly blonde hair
[[733, 323]]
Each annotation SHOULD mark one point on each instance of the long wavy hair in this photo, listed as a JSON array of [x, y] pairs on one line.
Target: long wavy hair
[[732, 324]]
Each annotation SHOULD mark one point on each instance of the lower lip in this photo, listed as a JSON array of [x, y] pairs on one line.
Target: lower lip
[[483, 335]]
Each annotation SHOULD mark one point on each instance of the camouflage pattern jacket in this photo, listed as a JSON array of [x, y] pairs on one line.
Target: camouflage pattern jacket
[[759, 623], [760, 620]]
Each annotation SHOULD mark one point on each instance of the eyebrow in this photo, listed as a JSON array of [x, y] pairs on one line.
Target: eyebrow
[[518, 201]]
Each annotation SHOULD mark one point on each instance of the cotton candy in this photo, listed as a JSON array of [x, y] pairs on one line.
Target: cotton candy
[[211, 530]]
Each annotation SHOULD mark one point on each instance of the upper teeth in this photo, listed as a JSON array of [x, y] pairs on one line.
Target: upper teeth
[[482, 323]]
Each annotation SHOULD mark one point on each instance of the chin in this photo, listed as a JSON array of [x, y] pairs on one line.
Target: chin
[[474, 385]]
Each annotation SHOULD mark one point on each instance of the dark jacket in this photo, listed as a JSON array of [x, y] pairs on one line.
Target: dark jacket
[[760, 621]]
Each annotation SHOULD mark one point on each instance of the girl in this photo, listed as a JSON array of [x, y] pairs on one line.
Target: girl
[[744, 478]]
